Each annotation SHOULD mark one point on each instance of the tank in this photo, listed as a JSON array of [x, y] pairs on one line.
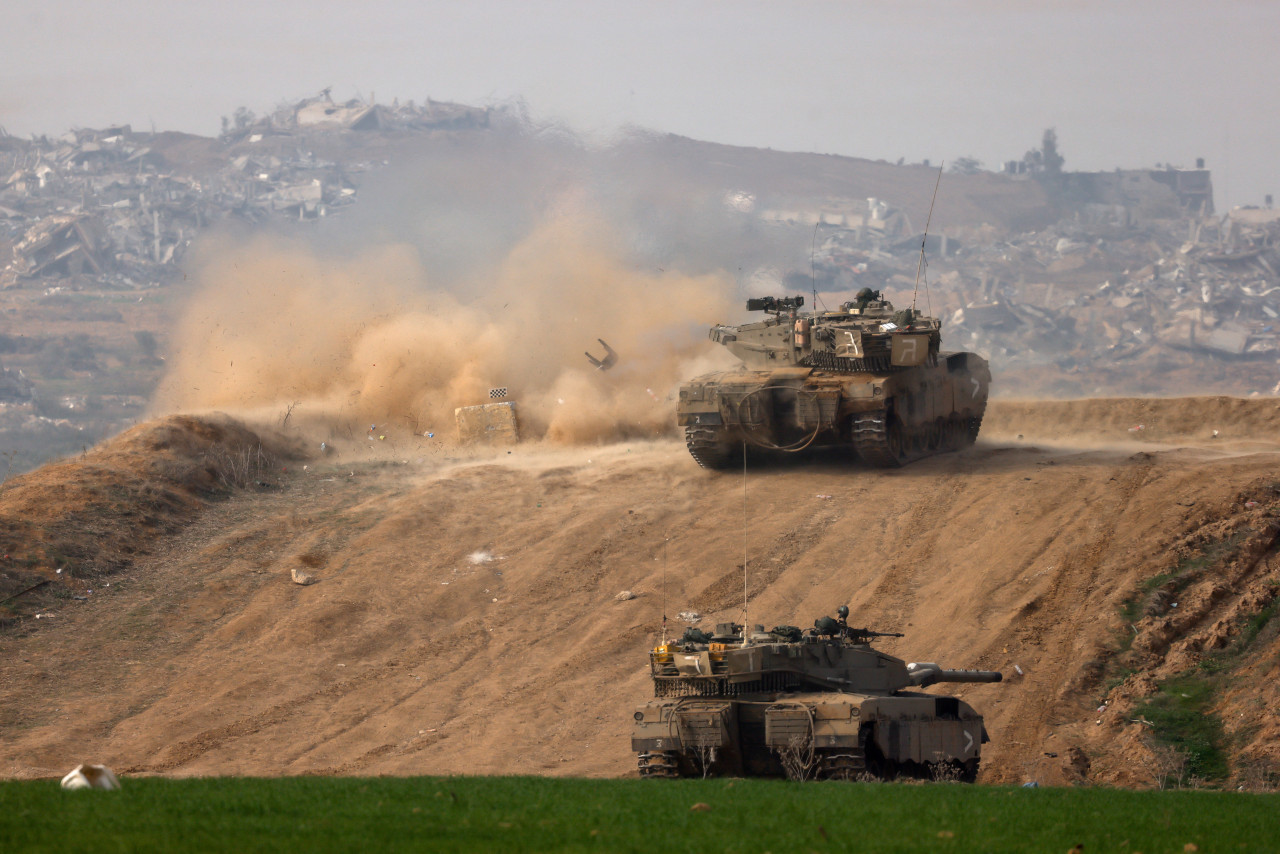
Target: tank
[[820, 703], [865, 376]]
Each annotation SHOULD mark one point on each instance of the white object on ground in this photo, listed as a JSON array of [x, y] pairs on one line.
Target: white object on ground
[[91, 777]]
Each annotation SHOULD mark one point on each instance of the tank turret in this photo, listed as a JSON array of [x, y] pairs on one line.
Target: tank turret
[[866, 334], [865, 375], [817, 702]]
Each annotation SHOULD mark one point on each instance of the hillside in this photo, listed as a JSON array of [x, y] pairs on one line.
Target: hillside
[[465, 620]]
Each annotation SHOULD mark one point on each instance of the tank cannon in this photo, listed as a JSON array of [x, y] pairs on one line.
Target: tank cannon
[[926, 673], [818, 702], [866, 376]]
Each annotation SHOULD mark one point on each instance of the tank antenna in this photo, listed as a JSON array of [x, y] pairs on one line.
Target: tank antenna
[[813, 275], [923, 240], [665, 540], [744, 543]]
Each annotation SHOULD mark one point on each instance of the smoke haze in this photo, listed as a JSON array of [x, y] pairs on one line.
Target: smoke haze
[[461, 272]]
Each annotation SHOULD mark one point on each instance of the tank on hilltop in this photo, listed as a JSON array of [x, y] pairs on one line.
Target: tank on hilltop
[[865, 376], [819, 703]]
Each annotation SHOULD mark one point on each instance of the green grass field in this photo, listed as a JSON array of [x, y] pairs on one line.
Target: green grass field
[[510, 814]]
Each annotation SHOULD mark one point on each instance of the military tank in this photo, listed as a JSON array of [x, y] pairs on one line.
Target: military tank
[[820, 703], [865, 376]]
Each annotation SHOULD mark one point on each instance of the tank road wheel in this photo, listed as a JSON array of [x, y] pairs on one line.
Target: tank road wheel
[[954, 431], [935, 439], [841, 765], [658, 763], [707, 448], [895, 439], [877, 437]]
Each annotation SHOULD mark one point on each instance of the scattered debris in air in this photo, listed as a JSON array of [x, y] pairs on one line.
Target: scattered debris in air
[[609, 359]]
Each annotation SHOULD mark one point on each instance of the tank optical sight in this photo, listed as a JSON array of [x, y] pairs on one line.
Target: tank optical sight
[[774, 303]]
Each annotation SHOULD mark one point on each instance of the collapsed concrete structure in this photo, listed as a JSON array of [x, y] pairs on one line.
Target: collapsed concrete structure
[[124, 206], [1138, 267], [1136, 262]]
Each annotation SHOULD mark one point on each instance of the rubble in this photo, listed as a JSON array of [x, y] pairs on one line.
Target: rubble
[[15, 388], [1214, 293], [109, 204], [1138, 268], [1100, 288]]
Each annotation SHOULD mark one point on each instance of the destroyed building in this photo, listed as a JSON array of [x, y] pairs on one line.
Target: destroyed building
[[1145, 193], [1140, 277], [1137, 264], [15, 388], [111, 204]]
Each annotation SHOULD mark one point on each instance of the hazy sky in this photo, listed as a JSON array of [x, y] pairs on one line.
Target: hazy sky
[[1126, 84]]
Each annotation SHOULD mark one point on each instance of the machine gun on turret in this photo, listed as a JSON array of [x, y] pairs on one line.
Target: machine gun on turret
[[865, 635], [775, 305], [831, 627]]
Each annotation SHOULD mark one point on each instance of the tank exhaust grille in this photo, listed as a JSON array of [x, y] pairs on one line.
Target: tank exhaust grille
[[722, 687], [829, 361]]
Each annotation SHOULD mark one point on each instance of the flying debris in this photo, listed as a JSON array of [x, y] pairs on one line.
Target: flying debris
[[610, 357]]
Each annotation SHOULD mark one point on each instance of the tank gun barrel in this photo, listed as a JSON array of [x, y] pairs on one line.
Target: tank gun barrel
[[926, 673]]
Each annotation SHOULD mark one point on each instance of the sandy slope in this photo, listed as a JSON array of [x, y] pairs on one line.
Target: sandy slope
[[465, 619]]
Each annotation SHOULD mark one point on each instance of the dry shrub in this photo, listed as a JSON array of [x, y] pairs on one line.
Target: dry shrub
[[797, 758], [1167, 764], [241, 467], [945, 771]]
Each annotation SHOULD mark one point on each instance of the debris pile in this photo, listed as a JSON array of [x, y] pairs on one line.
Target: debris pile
[[123, 207], [1102, 288], [1204, 285], [1137, 269], [15, 389], [323, 113]]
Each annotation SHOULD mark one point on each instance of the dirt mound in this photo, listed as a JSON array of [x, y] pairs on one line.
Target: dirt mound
[[81, 519], [465, 619]]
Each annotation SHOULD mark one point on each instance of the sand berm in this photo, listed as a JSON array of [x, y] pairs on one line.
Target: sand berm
[[465, 618]]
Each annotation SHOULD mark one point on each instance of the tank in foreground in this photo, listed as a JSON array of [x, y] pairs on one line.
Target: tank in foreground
[[865, 376], [822, 703]]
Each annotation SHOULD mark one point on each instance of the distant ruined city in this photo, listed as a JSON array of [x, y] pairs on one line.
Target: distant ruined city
[[1071, 283]]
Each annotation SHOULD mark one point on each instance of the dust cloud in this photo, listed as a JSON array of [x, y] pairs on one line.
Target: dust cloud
[[277, 327], [469, 263]]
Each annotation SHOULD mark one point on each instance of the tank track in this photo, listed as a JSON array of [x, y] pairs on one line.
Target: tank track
[[704, 447], [659, 763], [876, 445], [872, 441], [973, 426], [843, 765]]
